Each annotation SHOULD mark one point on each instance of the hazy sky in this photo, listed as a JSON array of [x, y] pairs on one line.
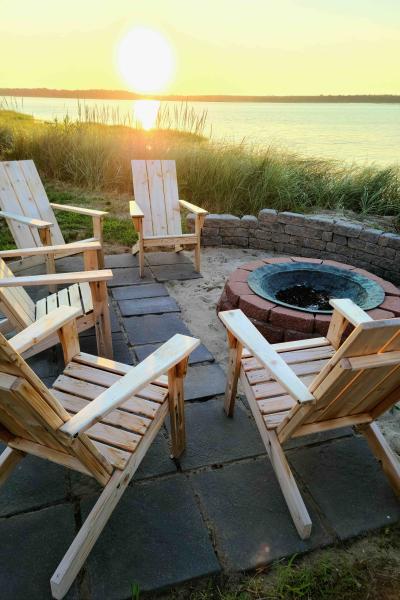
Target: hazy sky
[[221, 46]]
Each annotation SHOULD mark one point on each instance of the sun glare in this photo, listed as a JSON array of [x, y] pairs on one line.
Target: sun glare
[[145, 60], [145, 112]]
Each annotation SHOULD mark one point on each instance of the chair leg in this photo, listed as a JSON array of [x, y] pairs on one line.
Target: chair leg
[[141, 261], [381, 449], [287, 482], [102, 321], [197, 256], [234, 358], [177, 407], [80, 548], [9, 458]]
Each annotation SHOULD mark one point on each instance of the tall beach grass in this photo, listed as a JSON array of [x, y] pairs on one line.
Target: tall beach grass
[[222, 177]]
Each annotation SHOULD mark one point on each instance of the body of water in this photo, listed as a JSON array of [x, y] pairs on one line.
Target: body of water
[[360, 133]]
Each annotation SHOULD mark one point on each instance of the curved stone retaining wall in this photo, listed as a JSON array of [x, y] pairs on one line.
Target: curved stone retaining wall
[[313, 236]]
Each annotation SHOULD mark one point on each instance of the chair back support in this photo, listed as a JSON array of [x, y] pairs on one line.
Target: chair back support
[[31, 413], [22, 193], [362, 374], [156, 192], [15, 303]]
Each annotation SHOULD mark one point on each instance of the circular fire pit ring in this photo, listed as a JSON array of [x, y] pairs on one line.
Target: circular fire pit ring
[[309, 287], [279, 320]]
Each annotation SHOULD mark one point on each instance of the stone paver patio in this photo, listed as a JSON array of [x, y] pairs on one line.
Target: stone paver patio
[[219, 508]]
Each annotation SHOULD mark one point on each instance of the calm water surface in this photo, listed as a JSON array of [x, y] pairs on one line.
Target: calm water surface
[[361, 133]]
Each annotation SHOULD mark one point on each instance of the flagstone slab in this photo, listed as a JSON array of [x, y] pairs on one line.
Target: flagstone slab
[[150, 329], [175, 272], [32, 545], [166, 258], [33, 483], [148, 306], [155, 537], [156, 463], [212, 438], [204, 381], [147, 290], [199, 355], [121, 350], [248, 517], [348, 484], [113, 261], [129, 276]]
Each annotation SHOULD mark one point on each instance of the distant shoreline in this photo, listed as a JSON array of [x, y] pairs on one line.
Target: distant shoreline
[[125, 95]]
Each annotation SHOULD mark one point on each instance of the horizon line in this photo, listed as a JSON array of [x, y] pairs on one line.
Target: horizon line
[[109, 94]]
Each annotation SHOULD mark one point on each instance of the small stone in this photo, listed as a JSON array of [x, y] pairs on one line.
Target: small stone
[[268, 215], [347, 229]]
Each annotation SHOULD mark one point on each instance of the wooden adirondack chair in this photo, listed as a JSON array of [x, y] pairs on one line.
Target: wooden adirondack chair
[[88, 292], [99, 418], [303, 387], [155, 212], [30, 216]]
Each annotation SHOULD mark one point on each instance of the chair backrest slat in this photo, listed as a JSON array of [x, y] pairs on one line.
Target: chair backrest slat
[[22, 193], [15, 302], [21, 233], [41, 200], [350, 387], [171, 197], [156, 192]]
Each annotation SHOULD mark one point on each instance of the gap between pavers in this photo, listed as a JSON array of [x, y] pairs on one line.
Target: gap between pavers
[[348, 484], [244, 507], [156, 538], [32, 545]]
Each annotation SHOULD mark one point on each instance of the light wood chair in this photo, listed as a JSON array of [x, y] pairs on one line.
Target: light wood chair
[[99, 418], [303, 387], [88, 292], [156, 213], [30, 216]]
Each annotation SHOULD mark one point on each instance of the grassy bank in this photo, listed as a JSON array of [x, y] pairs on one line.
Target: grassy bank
[[367, 569], [96, 157]]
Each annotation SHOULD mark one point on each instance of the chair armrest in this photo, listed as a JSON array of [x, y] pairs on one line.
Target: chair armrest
[[57, 278], [159, 362], [43, 327], [90, 212], [345, 312], [350, 311], [193, 208], [135, 210], [27, 220], [244, 331], [49, 249]]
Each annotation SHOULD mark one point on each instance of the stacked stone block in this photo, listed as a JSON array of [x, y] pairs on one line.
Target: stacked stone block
[[311, 236]]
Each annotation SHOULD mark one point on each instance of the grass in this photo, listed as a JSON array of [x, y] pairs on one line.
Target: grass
[[94, 157], [367, 569]]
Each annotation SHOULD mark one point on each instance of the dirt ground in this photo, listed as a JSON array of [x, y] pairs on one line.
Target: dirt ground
[[198, 298]]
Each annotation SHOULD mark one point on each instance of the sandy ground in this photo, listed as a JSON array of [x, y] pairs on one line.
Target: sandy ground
[[198, 298]]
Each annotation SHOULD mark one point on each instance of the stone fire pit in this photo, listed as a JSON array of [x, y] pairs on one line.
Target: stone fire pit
[[277, 321]]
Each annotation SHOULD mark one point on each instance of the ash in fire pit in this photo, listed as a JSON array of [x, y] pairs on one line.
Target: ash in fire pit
[[309, 287], [304, 296]]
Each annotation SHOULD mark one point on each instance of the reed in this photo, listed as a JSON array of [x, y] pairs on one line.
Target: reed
[[92, 154]]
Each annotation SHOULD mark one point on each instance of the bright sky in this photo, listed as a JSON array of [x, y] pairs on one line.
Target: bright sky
[[220, 46]]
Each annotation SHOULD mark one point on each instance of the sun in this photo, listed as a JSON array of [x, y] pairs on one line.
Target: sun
[[145, 60]]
